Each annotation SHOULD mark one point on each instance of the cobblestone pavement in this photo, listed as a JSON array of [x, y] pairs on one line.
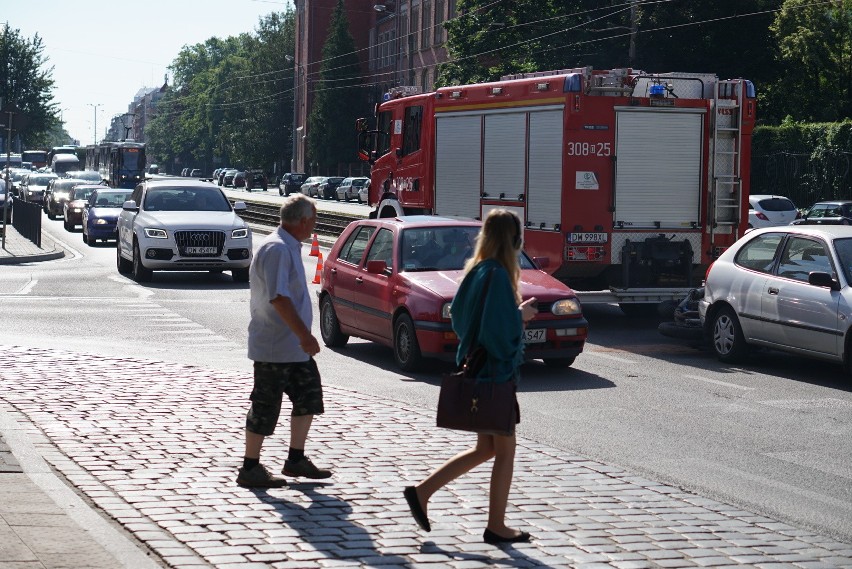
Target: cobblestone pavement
[[156, 446]]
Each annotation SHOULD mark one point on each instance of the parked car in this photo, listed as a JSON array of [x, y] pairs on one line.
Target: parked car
[[195, 173], [348, 188], [256, 179], [770, 210], [786, 288], [184, 173], [327, 189], [228, 178], [72, 209], [33, 186], [834, 212], [391, 281], [182, 225], [291, 182], [239, 180], [100, 214], [309, 188], [364, 193], [220, 177], [56, 194]]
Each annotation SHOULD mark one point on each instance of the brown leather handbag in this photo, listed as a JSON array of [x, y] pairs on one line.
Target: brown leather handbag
[[481, 406]]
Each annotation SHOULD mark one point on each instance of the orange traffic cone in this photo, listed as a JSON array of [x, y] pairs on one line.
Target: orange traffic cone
[[315, 252], [318, 275]]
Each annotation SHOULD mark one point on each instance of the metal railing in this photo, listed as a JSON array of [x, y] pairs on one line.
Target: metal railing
[[26, 219]]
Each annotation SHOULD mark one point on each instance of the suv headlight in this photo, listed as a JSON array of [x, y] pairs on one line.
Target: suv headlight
[[239, 233], [566, 306], [156, 233]]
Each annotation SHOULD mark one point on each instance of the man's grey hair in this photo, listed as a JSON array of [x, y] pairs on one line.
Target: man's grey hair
[[296, 208]]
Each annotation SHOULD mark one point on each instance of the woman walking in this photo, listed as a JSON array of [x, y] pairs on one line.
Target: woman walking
[[497, 322]]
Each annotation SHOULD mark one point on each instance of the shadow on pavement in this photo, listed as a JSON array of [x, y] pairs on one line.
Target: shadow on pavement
[[325, 525]]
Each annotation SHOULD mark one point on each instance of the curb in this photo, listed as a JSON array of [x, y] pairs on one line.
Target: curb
[[32, 258]]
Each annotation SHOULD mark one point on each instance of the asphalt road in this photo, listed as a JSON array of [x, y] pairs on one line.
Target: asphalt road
[[771, 437]]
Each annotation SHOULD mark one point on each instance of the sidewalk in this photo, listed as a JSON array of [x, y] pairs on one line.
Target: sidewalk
[[155, 447], [19, 249]]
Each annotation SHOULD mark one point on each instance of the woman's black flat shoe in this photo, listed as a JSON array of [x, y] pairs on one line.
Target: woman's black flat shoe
[[417, 512], [494, 539]]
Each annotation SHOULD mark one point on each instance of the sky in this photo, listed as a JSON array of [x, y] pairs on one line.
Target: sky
[[103, 53]]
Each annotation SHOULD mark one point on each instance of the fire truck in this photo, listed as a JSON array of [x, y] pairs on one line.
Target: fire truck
[[628, 183]]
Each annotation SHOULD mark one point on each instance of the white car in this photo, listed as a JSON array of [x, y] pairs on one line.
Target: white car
[[786, 288], [182, 225], [769, 210]]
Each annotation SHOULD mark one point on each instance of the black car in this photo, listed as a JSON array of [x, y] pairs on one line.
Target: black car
[[835, 212], [327, 190], [290, 183], [256, 179]]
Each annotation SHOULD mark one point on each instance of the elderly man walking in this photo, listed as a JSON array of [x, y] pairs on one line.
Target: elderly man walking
[[282, 347]]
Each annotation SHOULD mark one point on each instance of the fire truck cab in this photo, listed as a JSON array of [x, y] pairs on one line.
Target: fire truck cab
[[628, 183]]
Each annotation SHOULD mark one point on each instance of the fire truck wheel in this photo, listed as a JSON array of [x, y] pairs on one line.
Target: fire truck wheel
[[406, 350]]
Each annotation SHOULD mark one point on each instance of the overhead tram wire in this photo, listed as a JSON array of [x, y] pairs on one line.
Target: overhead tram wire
[[531, 40]]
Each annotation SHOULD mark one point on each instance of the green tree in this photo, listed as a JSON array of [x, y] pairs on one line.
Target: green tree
[[338, 100], [814, 42], [230, 102], [27, 83]]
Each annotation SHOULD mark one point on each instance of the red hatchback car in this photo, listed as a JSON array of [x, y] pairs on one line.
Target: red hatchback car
[[392, 281]]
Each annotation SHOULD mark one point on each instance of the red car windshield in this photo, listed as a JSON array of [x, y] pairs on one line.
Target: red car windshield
[[442, 248]]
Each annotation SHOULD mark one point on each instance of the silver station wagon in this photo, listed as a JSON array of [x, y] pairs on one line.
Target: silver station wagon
[[786, 288]]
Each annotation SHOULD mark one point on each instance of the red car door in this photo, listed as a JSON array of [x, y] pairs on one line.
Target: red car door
[[345, 268], [373, 291]]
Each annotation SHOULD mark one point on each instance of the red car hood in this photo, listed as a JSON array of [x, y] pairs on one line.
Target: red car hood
[[533, 283]]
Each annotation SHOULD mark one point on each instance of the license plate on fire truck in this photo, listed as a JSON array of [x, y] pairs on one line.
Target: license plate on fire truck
[[535, 336], [587, 238]]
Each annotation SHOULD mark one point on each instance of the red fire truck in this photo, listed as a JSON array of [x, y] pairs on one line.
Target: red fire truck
[[629, 183]]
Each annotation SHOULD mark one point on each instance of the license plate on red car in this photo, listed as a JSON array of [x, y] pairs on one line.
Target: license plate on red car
[[201, 250], [535, 336]]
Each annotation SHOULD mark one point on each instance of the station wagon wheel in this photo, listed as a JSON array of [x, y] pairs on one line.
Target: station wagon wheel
[[140, 273], [124, 266], [406, 350], [728, 340], [330, 325]]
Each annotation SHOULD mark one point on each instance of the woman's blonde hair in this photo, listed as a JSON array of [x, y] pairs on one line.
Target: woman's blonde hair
[[499, 239]]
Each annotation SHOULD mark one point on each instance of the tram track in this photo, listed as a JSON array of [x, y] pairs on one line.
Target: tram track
[[267, 215]]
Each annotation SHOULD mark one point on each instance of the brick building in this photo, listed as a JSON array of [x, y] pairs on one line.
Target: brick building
[[399, 42]]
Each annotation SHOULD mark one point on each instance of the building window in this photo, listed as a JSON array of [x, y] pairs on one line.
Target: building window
[[438, 35], [426, 36], [424, 76], [415, 29]]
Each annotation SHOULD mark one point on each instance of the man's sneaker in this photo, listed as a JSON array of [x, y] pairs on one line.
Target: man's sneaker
[[304, 468], [258, 476]]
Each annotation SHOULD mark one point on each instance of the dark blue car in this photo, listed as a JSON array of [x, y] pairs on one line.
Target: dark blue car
[[101, 214]]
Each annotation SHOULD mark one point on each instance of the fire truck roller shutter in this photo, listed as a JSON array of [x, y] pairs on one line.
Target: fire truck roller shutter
[[658, 168], [544, 200], [458, 165], [505, 155]]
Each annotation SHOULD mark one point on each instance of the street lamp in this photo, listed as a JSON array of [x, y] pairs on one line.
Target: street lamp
[[95, 129]]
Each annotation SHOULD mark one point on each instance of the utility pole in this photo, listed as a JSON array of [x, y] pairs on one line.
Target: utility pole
[[296, 131], [634, 29], [95, 129]]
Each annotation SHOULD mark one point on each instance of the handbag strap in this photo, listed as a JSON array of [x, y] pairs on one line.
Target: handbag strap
[[477, 322]]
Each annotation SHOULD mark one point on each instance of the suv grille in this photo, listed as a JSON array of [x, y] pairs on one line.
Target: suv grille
[[198, 239]]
